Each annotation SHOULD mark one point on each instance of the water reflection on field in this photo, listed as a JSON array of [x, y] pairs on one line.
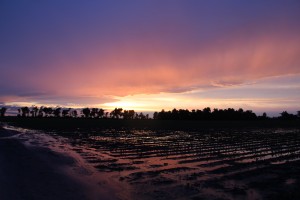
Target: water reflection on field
[[221, 164], [208, 164]]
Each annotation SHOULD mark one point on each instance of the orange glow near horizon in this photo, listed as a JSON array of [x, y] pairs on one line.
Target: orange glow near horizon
[[221, 96]]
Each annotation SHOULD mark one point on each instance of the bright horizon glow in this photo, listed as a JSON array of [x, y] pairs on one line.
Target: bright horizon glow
[[222, 97], [213, 98], [126, 105]]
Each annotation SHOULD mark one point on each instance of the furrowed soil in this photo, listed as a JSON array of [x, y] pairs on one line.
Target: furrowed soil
[[258, 162]]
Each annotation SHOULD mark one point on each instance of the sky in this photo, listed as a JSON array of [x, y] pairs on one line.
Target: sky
[[151, 55]]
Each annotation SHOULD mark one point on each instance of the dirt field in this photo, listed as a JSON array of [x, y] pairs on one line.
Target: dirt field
[[222, 163]]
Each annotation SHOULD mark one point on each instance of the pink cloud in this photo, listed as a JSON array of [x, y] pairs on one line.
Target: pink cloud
[[133, 70]]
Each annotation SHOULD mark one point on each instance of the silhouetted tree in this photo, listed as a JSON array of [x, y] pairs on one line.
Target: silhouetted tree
[[250, 115], [264, 115], [142, 116], [48, 111], [100, 113], [94, 112], [74, 113], [128, 114], [155, 115], [136, 116], [2, 111], [125, 114], [40, 112], [206, 114], [86, 112], [286, 116], [66, 112], [116, 113], [184, 114], [34, 111], [24, 111], [56, 112], [181, 114], [175, 114]]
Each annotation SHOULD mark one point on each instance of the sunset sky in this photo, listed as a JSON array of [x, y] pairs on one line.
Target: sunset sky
[[151, 54]]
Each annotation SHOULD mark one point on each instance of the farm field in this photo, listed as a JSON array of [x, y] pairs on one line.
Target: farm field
[[257, 163]]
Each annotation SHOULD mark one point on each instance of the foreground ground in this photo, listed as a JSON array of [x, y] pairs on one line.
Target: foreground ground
[[38, 173], [87, 123], [212, 163]]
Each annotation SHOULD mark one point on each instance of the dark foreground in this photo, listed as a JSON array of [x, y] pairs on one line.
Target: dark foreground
[[51, 123], [261, 161], [38, 173]]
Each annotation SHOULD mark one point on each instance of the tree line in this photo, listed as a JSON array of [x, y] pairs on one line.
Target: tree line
[[44, 111], [218, 114], [119, 113]]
